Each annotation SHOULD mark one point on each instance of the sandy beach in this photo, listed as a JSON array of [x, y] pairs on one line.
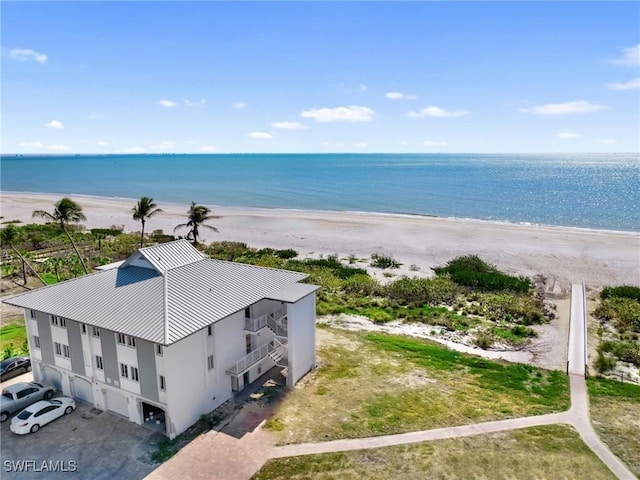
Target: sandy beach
[[560, 254]]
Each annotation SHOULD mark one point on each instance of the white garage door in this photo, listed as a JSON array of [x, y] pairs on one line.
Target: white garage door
[[53, 377], [117, 403], [82, 389]]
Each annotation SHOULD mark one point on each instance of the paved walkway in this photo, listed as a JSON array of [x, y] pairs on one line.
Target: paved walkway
[[240, 449], [577, 354]]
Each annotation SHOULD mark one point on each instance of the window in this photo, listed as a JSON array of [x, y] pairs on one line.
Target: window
[[65, 351], [134, 374], [124, 370], [32, 314], [210, 330], [58, 348], [163, 385], [247, 312], [131, 341], [58, 321], [26, 392], [210, 362], [95, 331], [99, 365], [121, 338], [159, 350], [36, 341], [84, 329]]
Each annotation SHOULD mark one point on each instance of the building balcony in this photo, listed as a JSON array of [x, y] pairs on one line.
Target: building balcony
[[275, 350], [276, 321]]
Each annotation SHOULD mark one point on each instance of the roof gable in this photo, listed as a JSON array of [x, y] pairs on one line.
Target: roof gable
[[165, 256]]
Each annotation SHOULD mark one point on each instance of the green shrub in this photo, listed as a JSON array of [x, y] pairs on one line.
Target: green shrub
[[483, 340], [473, 272], [360, 284], [623, 291], [420, 291], [384, 261], [604, 363], [625, 312], [286, 254]]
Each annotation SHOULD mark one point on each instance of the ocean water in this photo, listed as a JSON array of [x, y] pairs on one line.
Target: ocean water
[[600, 191]]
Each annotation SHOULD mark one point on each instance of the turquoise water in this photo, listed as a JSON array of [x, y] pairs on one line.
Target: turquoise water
[[579, 190]]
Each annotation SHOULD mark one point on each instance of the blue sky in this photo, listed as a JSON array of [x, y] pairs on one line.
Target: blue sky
[[164, 77]]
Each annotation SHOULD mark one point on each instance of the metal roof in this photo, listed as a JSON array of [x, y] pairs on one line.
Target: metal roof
[[293, 292], [168, 255], [159, 307]]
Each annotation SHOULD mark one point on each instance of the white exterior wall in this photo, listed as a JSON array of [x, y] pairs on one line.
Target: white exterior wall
[[192, 389], [160, 370], [59, 334], [129, 357], [32, 329], [302, 338]]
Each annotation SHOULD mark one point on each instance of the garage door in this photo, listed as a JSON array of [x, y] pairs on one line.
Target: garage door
[[82, 389], [53, 377], [117, 403]]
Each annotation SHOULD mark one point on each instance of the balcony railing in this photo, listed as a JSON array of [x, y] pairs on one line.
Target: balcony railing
[[276, 321], [276, 350]]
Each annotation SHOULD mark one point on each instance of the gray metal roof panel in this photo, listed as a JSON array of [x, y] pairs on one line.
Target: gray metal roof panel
[[171, 255], [293, 292], [127, 300]]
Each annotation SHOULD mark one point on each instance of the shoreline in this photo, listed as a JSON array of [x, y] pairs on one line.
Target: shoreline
[[420, 243], [258, 210]]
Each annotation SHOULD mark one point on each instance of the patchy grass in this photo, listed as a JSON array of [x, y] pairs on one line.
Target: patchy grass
[[614, 411], [376, 384], [554, 451], [13, 339]]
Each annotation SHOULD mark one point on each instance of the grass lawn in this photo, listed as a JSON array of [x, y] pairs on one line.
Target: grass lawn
[[554, 451], [13, 333], [376, 384], [615, 414]]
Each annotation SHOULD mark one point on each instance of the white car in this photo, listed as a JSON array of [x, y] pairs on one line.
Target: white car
[[40, 413]]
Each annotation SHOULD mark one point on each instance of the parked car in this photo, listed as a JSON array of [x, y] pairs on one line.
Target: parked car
[[20, 395], [14, 366], [40, 413]]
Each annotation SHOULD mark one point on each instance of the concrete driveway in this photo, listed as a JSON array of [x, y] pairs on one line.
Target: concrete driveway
[[87, 444]]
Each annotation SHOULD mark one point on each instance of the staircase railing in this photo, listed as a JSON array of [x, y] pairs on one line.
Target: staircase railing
[[274, 350], [276, 321]]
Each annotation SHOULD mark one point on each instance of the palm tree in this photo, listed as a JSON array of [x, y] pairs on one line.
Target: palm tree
[[66, 211], [197, 214], [9, 235], [145, 208]]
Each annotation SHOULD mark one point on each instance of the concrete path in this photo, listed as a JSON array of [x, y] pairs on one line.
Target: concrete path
[[577, 356], [240, 449]]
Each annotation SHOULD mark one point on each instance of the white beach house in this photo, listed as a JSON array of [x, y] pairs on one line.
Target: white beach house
[[169, 334]]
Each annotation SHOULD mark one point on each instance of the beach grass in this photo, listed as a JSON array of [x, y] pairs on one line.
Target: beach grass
[[615, 415], [554, 451], [13, 338], [377, 384]]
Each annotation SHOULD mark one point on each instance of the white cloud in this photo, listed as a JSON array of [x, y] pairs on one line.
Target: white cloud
[[167, 103], [437, 112], [163, 145], [31, 144], [207, 148], [352, 113], [189, 104], [56, 124], [102, 143], [362, 145], [399, 96], [433, 143], [135, 150], [630, 56], [239, 105], [25, 54], [580, 106], [362, 87], [260, 135], [288, 125], [567, 135], [630, 85], [58, 148]]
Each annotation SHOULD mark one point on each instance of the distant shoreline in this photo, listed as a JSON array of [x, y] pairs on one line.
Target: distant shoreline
[[420, 243], [217, 208]]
